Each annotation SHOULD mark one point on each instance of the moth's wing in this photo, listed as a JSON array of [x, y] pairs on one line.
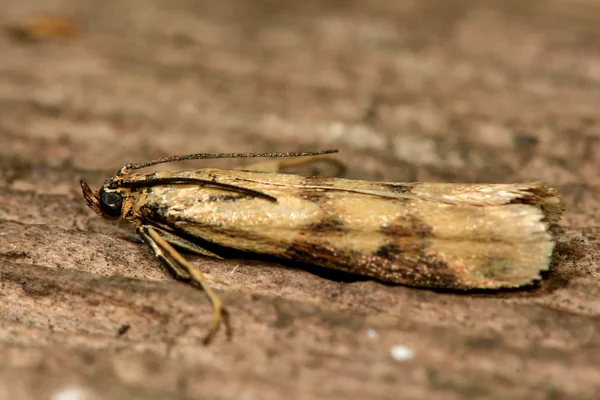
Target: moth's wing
[[433, 235], [536, 194], [447, 235]]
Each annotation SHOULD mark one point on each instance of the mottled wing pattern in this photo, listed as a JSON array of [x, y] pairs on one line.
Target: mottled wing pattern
[[460, 236]]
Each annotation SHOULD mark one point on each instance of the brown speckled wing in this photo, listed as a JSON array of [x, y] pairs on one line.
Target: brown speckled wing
[[459, 236]]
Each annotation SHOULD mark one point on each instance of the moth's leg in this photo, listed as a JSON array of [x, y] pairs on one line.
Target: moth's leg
[[287, 165], [163, 250], [186, 244], [183, 244], [178, 272]]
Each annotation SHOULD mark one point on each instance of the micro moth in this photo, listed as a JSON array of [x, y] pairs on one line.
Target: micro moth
[[433, 235]]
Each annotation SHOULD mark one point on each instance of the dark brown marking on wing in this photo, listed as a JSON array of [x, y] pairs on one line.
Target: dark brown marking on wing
[[388, 251], [402, 251], [406, 227], [329, 225], [313, 195], [436, 272], [389, 263], [320, 254], [400, 188], [407, 261], [317, 181], [411, 265], [152, 213], [226, 198]]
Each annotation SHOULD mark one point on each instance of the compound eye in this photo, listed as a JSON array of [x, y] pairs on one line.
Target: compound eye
[[111, 203]]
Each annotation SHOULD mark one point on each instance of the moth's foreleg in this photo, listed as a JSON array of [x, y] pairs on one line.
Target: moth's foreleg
[[178, 272], [163, 250], [284, 165]]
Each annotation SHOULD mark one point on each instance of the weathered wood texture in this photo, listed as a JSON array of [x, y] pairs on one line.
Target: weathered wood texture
[[447, 90]]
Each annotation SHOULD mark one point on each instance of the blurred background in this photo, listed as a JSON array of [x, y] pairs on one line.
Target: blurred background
[[408, 90]]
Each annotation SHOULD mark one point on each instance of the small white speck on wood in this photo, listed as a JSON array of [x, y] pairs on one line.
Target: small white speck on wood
[[73, 393], [402, 353]]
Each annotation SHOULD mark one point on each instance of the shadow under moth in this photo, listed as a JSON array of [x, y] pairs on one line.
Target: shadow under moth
[[433, 235]]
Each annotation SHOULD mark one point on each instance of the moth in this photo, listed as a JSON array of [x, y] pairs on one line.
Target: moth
[[432, 235]]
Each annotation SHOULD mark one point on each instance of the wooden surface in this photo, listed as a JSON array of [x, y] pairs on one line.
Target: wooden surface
[[455, 90]]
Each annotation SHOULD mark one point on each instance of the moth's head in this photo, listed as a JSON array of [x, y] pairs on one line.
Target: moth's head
[[107, 203]]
